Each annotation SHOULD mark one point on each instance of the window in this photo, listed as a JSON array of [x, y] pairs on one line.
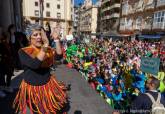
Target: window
[[47, 14], [36, 3], [37, 21], [129, 24], [159, 20], [71, 17], [47, 5], [58, 6], [125, 8], [36, 12], [59, 15], [138, 23]]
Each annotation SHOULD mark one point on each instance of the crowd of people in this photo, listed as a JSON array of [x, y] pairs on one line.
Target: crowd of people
[[112, 68]]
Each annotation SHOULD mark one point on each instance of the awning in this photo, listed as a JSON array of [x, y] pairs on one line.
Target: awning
[[149, 36]]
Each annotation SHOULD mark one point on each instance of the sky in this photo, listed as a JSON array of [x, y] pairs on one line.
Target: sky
[[81, 1]]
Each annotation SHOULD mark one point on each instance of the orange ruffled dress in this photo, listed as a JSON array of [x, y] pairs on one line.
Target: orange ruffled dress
[[39, 90]]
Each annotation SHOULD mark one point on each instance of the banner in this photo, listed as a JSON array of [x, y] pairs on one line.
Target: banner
[[150, 65], [69, 37]]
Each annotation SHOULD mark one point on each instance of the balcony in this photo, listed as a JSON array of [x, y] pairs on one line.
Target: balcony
[[160, 3], [75, 24], [114, 15], [105, 1], [147, 26], [149, 5], [122, 27], [139, 6], [125, 12], [136, 27], [131, 10], [111, 7], [126, 28], [85, 28], [105, 9], [159, 25]]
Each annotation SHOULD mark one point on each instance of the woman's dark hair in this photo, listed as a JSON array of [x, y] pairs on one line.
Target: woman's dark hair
[[155, 81]]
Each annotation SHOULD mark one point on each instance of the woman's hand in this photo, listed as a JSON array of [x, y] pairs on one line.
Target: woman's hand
[[55, 34], [56, 37]]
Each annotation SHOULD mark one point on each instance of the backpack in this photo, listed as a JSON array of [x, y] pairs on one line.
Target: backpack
[[157, 107]]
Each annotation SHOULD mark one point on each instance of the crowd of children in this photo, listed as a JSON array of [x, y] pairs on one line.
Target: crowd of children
[[112, 68]]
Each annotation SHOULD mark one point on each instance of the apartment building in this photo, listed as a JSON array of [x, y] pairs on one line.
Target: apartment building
[[143, 18], [110, 15], [99, 21], [76, 20], [59, 13], [88, 18]]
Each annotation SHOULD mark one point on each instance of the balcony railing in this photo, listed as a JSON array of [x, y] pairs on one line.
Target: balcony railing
[[160, 3], [86, 27], [125, 27], [159, 25], [136, 26], [147, 26], [114, 15], [122, 27], [75, 24], [111, 7], [150, 4], [128, 27], [125, 12], [105, 1], [105, 9]]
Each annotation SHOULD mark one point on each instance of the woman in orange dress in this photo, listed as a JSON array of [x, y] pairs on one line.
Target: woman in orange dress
[[39, 89]]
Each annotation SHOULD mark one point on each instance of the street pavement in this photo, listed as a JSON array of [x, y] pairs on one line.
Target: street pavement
[[82, 98]]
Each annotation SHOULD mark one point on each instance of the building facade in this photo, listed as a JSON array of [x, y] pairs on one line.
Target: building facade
[[99, 21], [59, 13], [110, 15], [76, 20], [140, 17], [88, 18]]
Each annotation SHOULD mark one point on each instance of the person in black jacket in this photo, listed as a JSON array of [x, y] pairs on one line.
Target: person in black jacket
[[17, 40], [6, 63], [14, 44], [2, 77], [143, 104]]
